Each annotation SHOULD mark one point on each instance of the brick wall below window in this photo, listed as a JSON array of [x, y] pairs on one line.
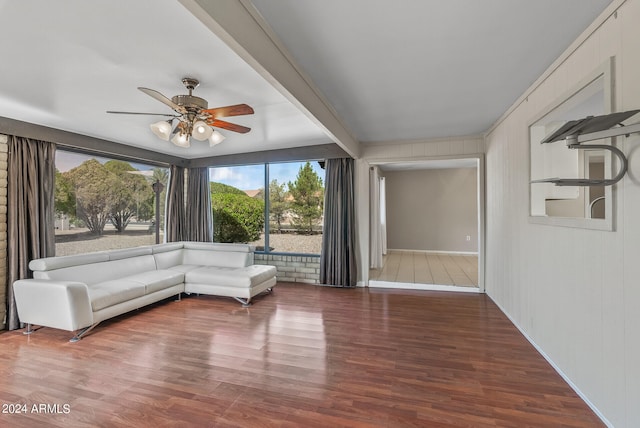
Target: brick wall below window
[[292, 268]]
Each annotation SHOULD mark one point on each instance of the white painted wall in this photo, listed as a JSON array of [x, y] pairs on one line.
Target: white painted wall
[[574, 292], [432, 209]]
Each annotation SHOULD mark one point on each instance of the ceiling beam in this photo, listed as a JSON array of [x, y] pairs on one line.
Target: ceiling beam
[[241, 27]]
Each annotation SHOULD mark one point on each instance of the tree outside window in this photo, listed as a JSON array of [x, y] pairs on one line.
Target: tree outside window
[[103, 203]]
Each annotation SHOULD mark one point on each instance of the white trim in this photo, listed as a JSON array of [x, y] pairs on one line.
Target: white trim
[[555, 367], [459, 253], [481, 191], [376, 161], [482, 238], [426, 287], [428, 141]]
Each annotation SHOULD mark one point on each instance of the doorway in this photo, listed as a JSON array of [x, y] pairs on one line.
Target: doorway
[[433, 219]]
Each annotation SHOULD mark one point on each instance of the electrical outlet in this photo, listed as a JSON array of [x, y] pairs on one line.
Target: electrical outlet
[[468, 237]]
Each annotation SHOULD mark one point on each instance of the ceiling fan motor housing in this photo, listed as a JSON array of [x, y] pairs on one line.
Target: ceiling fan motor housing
[[190, 101]]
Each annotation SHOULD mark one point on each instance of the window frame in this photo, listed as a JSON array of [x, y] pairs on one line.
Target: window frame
[[109, 156], [266, 182]]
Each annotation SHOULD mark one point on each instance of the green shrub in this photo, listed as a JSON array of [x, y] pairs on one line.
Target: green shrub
[[236, 216], [224, 188]]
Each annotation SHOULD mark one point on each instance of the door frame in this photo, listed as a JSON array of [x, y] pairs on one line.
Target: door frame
[[481, 199]]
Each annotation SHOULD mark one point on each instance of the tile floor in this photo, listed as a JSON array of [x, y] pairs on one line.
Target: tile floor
[[419, 267]]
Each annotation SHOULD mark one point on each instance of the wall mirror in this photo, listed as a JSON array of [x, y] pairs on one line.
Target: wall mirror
[[586, 207]]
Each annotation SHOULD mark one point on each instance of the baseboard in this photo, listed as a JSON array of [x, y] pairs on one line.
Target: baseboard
[[459, 253], [426, 287], [555, 367]]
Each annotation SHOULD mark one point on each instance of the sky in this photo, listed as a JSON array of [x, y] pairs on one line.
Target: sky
[[246, 177], [251, 177], [69, 160]]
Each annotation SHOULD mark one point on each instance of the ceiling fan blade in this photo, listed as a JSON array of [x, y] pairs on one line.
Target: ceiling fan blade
[[228, 126], [158, 96], [147, 114], [228, 111]]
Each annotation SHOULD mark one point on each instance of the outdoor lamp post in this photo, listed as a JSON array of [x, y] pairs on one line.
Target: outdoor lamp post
[[157, 188]]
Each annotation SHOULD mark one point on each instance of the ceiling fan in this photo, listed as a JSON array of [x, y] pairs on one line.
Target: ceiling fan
[[194, 117]]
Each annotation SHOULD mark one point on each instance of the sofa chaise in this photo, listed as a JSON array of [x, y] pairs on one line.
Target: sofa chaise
[[75, 293]]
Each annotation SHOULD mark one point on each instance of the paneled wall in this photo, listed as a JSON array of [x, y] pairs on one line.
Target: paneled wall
[[450, 147], [574, 292]]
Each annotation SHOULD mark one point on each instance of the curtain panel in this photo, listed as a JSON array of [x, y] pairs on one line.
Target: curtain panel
[[383, 214], [338, 257], [198, 212], [30, 212], [377, 241], [175, 224]]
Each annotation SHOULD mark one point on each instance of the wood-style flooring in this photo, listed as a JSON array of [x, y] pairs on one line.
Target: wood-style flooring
[[419, 267], [304, 356]]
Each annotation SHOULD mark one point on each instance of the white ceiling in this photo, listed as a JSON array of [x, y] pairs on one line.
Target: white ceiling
[[419, 69], [416, 69], [64, 64]]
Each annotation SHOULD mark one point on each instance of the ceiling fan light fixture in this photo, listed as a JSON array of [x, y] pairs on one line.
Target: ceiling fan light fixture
[[162, 129], [181, 139], [195, 118], [215, 138], [201, 131]]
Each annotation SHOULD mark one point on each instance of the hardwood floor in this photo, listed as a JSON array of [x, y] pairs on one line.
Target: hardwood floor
[[304, 356], [419, 267]]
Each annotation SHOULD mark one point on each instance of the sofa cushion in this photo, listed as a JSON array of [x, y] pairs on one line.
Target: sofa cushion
[[53, 263], [156, 280], [95, 273], [229, 258], [217, 246], [185, 268], [109, 293], [131, 266], [245, 277], [168, 246], [90, 273], [168, 259], [127, 253]]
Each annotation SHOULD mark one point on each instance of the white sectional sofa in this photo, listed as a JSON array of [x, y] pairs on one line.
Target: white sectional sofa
[[75, 293]]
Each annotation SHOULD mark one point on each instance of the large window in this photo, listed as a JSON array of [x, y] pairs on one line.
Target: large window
[[103, 204], [277, 207]]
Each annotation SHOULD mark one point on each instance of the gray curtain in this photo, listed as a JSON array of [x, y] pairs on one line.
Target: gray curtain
[[198, 212], [31, 211], [338, 258], [175, 224]]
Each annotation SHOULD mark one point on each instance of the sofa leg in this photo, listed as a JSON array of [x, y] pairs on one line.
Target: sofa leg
[[179, 298], [245, 303], [82, 332]]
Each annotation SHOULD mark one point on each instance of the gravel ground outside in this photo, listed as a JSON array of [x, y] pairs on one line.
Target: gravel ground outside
[[293, 243], [80, 241]]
